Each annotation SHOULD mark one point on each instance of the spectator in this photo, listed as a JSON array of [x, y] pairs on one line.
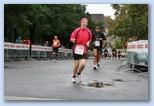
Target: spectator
[[26, 41], [19, 40], [109, 49], [46, 43], [114, 53], [105, 53]]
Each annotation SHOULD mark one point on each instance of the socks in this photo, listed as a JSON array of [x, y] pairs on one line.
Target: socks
[[74, 76], [78, 73]]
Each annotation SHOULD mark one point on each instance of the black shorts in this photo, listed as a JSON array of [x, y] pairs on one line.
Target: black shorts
[[98, 48], [55, 50], [79, 57], [105, 55]]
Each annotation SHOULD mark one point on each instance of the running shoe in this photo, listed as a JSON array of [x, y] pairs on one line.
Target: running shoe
[[74, 80], [95, 68], [78, 78]]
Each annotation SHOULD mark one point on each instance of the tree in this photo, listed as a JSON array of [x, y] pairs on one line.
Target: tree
[[131, 20], [41, 22]]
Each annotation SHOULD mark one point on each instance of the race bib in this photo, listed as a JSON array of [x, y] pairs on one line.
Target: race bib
[[97, 43], [79, 49]]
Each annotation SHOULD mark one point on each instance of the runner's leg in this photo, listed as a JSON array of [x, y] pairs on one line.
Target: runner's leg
[[95, 57], [56, 54], [99, 57], [75, 67], [81, 66]]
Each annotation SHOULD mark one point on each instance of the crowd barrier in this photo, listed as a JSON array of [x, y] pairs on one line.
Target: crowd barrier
[[137, 54], [22, 51]]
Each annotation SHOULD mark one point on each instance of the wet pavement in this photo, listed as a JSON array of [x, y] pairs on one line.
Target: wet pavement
[[48, 80]]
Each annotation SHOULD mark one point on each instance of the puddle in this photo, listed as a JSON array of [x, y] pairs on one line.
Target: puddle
[[131, 80], [102, 84], [97, 84], [119, 80]]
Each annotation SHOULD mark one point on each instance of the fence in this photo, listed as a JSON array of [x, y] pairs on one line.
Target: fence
[[22, 51], [138, 52], [137, 56]]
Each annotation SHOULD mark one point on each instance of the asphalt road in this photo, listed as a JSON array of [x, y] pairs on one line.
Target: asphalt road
[[47, 80]]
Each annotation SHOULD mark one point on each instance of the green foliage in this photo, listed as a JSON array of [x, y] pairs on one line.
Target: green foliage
[[41, 22], [131, 20], [118, 44]]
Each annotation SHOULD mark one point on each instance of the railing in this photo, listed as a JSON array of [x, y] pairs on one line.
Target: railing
[[138, 52], [22, 51]]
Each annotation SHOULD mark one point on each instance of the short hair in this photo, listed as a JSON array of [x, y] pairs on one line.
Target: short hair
[[97, 27]]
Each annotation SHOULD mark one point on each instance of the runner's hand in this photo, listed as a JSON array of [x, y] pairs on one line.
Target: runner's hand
[[88, 43], [73, 40], [55, 46]]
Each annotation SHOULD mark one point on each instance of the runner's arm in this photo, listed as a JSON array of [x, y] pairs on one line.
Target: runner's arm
[[103, 39], [73, 35], [59, 44], [52, 43], [90, 38], [103, 36]]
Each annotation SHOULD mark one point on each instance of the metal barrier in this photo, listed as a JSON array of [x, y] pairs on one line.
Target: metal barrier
[[14, 51], [137, 56], [138, 52], [22, 51], [41, 52]]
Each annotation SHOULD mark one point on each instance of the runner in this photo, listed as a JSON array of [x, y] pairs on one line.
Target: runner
[[119, 54], [81, 38], [55, 46], [109, 49], [98, 38], [114, 53], [105, 53]]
